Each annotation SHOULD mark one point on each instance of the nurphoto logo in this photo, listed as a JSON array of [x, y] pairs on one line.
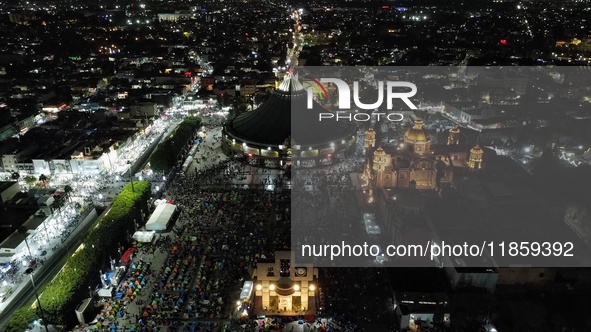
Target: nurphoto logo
[[314, 86]]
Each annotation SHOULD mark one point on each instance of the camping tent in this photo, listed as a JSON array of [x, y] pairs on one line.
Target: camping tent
[[161, 217]]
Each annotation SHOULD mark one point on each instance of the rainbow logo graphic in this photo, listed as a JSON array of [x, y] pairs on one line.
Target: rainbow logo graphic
[[317, 87]]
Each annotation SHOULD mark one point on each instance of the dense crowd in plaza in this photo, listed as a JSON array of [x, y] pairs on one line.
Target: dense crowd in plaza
[[221, 232], [219, 235]]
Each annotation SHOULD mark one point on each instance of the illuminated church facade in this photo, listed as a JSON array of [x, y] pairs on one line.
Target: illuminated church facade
[[416, 162]]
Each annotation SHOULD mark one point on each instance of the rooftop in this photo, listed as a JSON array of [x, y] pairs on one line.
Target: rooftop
[[6, 184]]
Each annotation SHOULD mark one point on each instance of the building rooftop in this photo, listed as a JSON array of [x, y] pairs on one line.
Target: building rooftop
[[13, 240], [11, 220], [6, 184]]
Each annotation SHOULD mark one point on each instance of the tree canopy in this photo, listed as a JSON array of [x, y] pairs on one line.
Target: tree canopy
[[166, 154]]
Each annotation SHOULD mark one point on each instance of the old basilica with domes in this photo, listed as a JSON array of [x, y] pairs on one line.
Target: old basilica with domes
[[417, 163]]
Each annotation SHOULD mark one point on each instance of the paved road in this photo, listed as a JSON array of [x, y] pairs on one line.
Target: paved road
[[55, 262]]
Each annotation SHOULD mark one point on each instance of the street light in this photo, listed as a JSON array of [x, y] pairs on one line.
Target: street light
[[130, 177], [23, 230], [29, 271]]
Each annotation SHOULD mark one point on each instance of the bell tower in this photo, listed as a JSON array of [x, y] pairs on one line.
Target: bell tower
[[475, 161], [454, 136], [370, 138], [380, 161]]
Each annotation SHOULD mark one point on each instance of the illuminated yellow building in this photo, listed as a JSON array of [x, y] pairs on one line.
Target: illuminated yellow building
[[454, 136], [475, 161], [416, 161]]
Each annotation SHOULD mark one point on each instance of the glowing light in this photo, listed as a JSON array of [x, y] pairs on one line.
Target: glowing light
[[312, 288], [259, 287], [296, 287], [272, 287]]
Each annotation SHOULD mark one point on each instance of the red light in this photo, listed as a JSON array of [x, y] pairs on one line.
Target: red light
[[249, 155], [188, 74], [385, 7], [131, 5], [329, 155], [503, 41]]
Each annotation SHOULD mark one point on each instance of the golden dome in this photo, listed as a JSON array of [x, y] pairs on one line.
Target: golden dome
[[417, 133]]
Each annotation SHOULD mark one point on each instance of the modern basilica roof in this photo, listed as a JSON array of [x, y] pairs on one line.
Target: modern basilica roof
[[271, 123]]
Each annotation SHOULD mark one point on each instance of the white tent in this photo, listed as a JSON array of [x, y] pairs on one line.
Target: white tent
[[106, 292], [145, 237], [246, 292], [161, 217]]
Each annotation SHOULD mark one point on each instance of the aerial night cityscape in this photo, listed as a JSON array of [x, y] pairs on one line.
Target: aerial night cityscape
[[295, 165]]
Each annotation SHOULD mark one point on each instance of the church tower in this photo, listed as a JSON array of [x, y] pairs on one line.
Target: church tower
[[380, 161], [454, 136], [475, 161], [370, 138]]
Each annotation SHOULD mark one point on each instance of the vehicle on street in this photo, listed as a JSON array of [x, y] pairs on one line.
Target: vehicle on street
[[5, 292]]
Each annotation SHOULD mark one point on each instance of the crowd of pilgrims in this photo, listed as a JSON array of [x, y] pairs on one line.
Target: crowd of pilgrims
[[217, 239], [222, 232], [219, 236], [231, 171], [322, 200]]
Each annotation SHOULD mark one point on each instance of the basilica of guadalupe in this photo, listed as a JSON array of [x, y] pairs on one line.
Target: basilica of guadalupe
[[417, 163]]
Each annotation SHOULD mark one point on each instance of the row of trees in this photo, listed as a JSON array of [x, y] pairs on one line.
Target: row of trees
[[63, 293], [166, 155]]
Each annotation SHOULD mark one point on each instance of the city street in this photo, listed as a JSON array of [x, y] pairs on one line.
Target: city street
[[64, 236], [63, 228]]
